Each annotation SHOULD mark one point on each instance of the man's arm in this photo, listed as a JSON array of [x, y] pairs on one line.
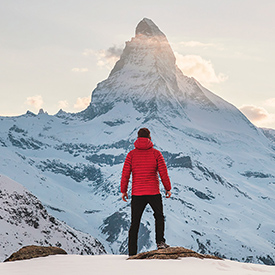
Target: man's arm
[[124, 196], [126, 172], [164, 175]]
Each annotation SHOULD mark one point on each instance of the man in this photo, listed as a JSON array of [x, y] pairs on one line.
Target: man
[[145, 162]]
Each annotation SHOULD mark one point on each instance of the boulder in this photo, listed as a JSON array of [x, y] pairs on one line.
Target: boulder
[[171, 253], [33, 251]]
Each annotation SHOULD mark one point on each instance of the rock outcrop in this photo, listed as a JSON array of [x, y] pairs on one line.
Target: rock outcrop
[[33, 251], [171, 253]]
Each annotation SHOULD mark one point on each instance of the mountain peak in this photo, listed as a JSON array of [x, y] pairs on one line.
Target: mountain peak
[[148, 50], [145, 75], [41, 112], [148, 27], [146, 79]]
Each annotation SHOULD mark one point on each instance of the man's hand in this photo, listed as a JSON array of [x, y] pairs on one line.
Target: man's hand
[[168, 194], [124, 196]]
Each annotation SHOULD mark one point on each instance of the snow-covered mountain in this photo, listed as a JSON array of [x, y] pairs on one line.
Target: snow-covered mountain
[[270, 134], [221, 166], [25, 221]]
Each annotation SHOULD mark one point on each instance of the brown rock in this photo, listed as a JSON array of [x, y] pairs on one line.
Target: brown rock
[[32, 251], [171, 253]]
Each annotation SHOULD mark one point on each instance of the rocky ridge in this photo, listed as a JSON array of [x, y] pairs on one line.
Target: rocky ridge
[[34, 251], [172, 253]]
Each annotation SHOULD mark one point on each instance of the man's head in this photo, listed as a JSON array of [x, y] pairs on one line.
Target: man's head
[[144, 132]]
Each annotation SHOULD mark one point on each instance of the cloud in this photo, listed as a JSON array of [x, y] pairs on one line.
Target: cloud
[[199, 68], [82, 103], [63, 104], [113, 52], [35, 101], [106, 58], [258, 115], [80, 70], [254, 113]]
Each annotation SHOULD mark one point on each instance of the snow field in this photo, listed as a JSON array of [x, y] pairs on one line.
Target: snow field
[[118, 265]]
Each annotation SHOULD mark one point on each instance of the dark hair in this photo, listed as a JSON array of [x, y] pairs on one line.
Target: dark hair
[[144, 132]]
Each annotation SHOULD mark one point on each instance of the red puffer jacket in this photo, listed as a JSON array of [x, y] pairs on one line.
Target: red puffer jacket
[[144, 162]]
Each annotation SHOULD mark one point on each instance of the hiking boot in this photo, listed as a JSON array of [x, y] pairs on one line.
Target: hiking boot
[[162, 245]]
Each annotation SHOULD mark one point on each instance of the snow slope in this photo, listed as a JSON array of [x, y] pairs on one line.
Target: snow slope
[[221, 166], [118, 265], [24, 221]]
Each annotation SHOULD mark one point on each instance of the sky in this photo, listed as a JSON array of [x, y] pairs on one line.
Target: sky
[[53, 53]]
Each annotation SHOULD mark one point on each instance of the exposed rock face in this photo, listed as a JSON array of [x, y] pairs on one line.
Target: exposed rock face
[[33, 251], [172, 253]]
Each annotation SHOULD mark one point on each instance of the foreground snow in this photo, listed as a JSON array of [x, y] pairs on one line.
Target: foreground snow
[[117, 264]]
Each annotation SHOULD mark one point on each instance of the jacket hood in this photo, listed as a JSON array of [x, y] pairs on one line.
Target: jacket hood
[[143, 143]]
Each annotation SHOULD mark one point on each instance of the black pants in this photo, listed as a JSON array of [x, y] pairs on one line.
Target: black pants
[[138, 205]]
